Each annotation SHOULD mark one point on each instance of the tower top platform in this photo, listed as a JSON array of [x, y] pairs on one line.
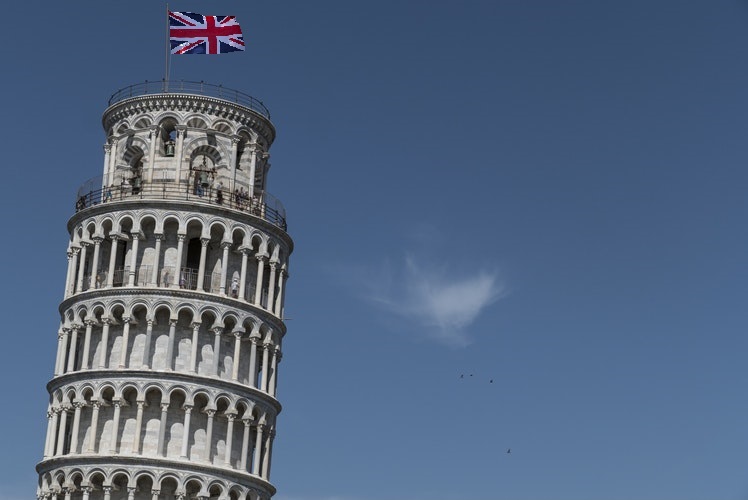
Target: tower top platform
[[192, 88]]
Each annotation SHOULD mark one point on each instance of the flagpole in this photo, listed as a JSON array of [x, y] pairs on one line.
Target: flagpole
[[166, 78]]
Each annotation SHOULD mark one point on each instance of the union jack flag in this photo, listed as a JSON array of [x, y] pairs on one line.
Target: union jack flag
[[191, 33]]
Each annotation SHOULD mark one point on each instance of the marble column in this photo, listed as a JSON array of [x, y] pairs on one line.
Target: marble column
[[217, 331], [104, 349], [133, 258], [170, 363], [73, 348], [93, 427], [237, 353], [162, 430], [178, 264], [252, 382], [229, 437], [156, 260], [193, 353], [243, 278], [115, 427], [258, 450], [64, 409], [138, 427], [186, 434], [76, 426], [125, 341], [258, 286], [147, 346], [81, 266], [209, 434], [201, 269], [225, 245], [245, 444], [112, 260], [87, 344]]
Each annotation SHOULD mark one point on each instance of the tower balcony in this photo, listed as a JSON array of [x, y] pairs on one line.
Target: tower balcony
[[260, 204]]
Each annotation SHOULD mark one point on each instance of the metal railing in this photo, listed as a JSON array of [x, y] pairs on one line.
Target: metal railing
[[188, 87], [143, 277], [263, 205]]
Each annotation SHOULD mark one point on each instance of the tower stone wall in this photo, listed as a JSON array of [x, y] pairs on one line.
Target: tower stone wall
[[171, 328]]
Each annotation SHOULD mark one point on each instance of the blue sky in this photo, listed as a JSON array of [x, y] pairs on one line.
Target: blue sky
[[550, 195]]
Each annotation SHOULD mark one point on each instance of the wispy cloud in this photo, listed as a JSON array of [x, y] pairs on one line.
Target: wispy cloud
[[440, 302]]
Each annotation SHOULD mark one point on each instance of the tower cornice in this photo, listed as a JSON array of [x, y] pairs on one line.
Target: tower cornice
[[184, 468], [146, 377], [189, 103], [178, 296]]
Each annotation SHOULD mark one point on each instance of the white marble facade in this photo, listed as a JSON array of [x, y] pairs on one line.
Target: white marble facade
[[166, 375]]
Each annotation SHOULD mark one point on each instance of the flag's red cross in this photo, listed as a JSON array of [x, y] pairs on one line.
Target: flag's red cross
[[211, 32]]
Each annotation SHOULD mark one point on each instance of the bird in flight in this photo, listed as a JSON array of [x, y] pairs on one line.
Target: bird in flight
[[509, 450]]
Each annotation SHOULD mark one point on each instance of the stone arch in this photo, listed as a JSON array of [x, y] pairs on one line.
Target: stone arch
[[243, 158], [96, 478], [106, 395], [217, 224], [128, 441], [170, 226], [169, 217], [206, 339], [174, 438], [201, 145], [89, 229], [144, 482], [140, 314], [75, 479], [236, 493], [198, 440], [153, 396], [223, 405], [223, 127], [216, 489], [56, 398], [124, 222], [167, 133], [143, 122], [230, 317], [160, 358], [186, 316], [217, 231], [45, 481], [86, 392], [97, 309], [80, 311], [193, 486], [134, 151], [57, 481], [196, 121], [169, 485], [120, 481], [244, 408]]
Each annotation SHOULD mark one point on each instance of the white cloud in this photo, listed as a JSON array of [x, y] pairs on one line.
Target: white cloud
[[441, 303]]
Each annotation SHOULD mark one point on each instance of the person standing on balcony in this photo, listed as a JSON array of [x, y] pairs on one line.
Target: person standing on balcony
[[235, 287]]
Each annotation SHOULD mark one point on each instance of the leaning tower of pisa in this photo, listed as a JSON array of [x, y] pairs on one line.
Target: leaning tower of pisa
[[171, 324]]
